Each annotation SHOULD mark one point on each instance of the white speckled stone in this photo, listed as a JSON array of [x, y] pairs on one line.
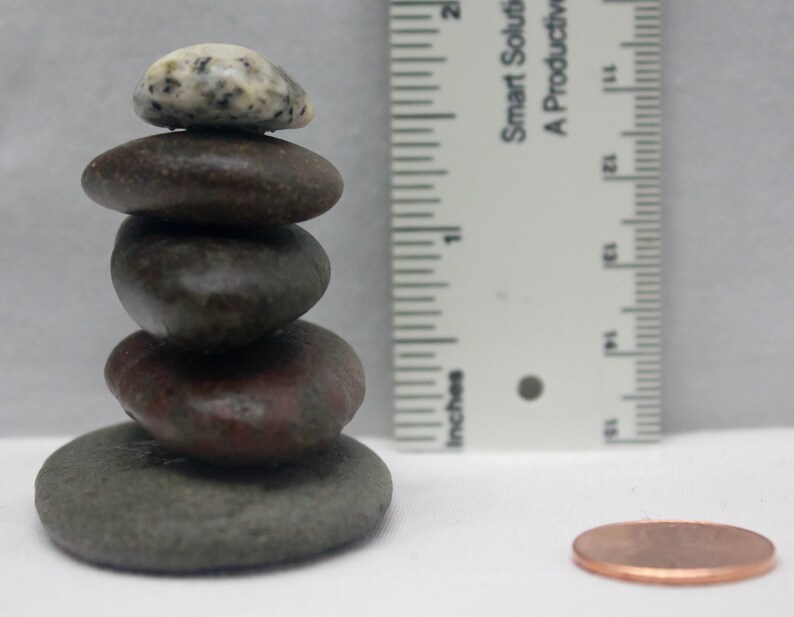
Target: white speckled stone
[[220, 86]]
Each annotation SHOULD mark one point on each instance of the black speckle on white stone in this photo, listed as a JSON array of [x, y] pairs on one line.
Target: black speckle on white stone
[[190, 86], [116, 498]]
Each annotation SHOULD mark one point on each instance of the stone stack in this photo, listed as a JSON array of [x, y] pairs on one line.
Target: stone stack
[[236, 458]]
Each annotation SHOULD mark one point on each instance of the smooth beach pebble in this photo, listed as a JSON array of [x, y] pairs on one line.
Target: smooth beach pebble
[[216, 288], [117, 498], [223, 178], [220, 86], [278, 400]]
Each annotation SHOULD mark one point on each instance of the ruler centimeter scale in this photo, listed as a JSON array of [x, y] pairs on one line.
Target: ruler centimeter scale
[[526, 233]]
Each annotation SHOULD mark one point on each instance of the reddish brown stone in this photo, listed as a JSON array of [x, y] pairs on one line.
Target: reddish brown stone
[[276, 401]]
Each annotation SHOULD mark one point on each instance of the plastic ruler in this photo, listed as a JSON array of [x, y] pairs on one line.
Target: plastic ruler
[[526, 223]]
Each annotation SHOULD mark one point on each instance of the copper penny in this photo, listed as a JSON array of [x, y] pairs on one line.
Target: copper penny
[[674, 552]]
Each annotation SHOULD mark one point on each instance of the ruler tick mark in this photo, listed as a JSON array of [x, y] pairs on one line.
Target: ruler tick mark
[[430, 116], [411, 45], [414, 243], [413, 187], [399, 271], [412, 130], [418, 102], [419, 397], [414, 30], [420, 172], [413, 17], [640, 44], [418, 200], [427, 341], [420, 285], [416, 354], [445, 229], [413, 299], [414, 327], [428, 257], [416, 144], [430, 88], [432, 59], [418, 369], [421, 2], [411, 74], [417, 313], [413, 215]]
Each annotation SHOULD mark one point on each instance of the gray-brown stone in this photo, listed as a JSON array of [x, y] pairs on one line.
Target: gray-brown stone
[[214, 177], [117, 498], [216, 288]]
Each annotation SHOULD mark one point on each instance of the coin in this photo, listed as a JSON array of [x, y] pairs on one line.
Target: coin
[[674, 552]]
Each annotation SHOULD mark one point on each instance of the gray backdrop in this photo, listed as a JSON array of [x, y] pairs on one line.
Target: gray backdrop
[[67, 70]]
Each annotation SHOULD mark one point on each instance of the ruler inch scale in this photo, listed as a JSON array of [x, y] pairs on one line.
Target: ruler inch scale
[[526, 223]]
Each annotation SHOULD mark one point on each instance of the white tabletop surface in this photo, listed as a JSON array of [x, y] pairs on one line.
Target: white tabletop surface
[[471, 534]]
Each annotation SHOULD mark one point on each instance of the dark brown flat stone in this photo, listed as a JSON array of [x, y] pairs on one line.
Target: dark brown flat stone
[[214, 177], [275, 401], [216, 288], [117, 498]]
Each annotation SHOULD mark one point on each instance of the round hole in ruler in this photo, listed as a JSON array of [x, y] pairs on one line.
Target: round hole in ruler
[[530, 388]]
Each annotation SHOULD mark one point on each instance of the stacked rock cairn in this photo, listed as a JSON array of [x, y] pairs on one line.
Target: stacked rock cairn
[[235, 458]]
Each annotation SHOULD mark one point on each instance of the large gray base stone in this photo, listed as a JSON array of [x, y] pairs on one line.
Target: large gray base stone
[[117, 498]]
